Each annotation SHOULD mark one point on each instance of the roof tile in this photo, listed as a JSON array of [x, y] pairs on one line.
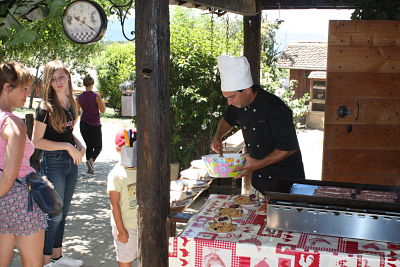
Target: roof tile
[[304, 55]]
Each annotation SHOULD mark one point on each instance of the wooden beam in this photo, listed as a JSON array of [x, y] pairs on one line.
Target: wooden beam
[[153, 124], [252, 39], [303, 4], [241, 7]]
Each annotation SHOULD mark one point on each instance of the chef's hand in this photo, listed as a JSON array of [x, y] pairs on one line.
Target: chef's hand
[[216, 145], [250, 165]]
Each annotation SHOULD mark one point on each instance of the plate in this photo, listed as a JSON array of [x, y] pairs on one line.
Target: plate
[[262, 209], [176, 186], [194, 173], [180, 204], [207, 225], [193, 183], [196, 190], [244, 211], [180, 195], [245, 201], [199, 163]]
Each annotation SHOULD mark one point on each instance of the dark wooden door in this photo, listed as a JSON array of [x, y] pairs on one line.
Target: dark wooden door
[[364, 78]]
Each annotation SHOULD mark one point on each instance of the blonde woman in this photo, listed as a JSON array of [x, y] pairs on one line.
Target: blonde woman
[[62, 153], [17, 224]]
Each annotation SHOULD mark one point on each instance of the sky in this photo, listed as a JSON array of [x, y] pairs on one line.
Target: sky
[[305, 25], [114, 30], [297, 25]]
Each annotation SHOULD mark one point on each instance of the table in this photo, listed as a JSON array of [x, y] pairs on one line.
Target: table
[[257, 246], [176, 213]]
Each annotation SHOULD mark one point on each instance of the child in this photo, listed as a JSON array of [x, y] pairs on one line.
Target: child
[[121, 187]]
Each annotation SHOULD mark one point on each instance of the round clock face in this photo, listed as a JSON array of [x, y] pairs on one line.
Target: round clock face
[[84, 22]]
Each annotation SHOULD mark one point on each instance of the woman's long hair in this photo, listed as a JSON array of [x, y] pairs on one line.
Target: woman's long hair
[[57, 118]]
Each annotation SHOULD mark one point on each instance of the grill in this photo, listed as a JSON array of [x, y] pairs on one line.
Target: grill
[[296, 208]]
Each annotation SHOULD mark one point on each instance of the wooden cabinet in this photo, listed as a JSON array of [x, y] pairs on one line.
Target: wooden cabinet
[[362, 142]]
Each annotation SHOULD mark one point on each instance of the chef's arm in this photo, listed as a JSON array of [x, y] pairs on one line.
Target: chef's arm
[[253, 164], [222, 130]]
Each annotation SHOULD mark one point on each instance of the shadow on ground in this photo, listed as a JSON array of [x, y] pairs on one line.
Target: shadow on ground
[[87, 232]]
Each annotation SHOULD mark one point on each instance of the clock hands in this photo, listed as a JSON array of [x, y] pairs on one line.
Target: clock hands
[[84, 23]]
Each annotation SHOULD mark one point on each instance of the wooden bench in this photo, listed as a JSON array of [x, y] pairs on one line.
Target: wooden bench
[[177, 217]]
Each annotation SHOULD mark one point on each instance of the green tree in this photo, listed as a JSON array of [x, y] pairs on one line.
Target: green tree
[[39, 41], [196, 100], [272, 78], [376, 10], [114, 65]]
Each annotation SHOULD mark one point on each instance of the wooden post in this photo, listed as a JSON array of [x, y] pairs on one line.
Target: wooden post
[[153, 124], [29, 121], [252, 39], [35, 158], [252, 50]]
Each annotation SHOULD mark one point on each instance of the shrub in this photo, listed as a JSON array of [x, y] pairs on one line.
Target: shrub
[[114, 66], [196, 100]]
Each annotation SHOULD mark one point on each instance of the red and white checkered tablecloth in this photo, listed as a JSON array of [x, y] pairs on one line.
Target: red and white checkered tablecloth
[[254, 245]]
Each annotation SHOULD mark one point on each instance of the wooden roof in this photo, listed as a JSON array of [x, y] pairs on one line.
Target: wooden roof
[[248, 7], [304, 55], [304, 4]]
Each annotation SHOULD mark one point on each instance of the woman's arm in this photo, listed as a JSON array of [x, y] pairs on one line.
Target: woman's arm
[[122, 234], [79, 146], [78, 106], [15, 135], [39, 142], [100, 104]]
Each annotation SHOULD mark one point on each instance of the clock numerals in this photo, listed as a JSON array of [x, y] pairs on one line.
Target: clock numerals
[[93, 18]]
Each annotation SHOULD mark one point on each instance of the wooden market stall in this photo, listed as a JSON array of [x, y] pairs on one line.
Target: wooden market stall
[[152, 56], [362, 109]]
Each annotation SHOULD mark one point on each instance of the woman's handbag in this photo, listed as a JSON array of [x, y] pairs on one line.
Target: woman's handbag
[[41, 191]]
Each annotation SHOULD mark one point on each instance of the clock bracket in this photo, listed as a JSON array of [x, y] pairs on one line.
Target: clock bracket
[[122, 10]]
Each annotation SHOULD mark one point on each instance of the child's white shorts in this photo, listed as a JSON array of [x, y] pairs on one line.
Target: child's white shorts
[[126, 252]]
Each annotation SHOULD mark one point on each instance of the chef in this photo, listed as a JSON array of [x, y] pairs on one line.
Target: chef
[[273, 153]]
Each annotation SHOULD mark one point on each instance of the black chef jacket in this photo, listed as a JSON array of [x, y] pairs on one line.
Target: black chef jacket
[[267, 124]]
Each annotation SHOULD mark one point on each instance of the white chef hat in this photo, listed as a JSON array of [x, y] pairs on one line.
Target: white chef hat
[[235, 73]]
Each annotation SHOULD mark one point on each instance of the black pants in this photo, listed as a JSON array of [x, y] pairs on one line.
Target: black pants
[[92, 137]]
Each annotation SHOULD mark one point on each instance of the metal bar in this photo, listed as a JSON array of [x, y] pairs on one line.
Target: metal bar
[[336, 223]]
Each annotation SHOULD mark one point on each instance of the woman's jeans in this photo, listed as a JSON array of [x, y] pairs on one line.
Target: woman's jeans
[[62, 172]]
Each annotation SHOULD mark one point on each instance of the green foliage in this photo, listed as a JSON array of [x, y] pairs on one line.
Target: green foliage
[[15, 16], [37, 42], [269, 50], [273, 78], [196, 100], [114, 66], [376, 10], [41, 40]]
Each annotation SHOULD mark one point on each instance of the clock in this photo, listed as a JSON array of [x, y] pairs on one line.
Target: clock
[[84, 21]]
